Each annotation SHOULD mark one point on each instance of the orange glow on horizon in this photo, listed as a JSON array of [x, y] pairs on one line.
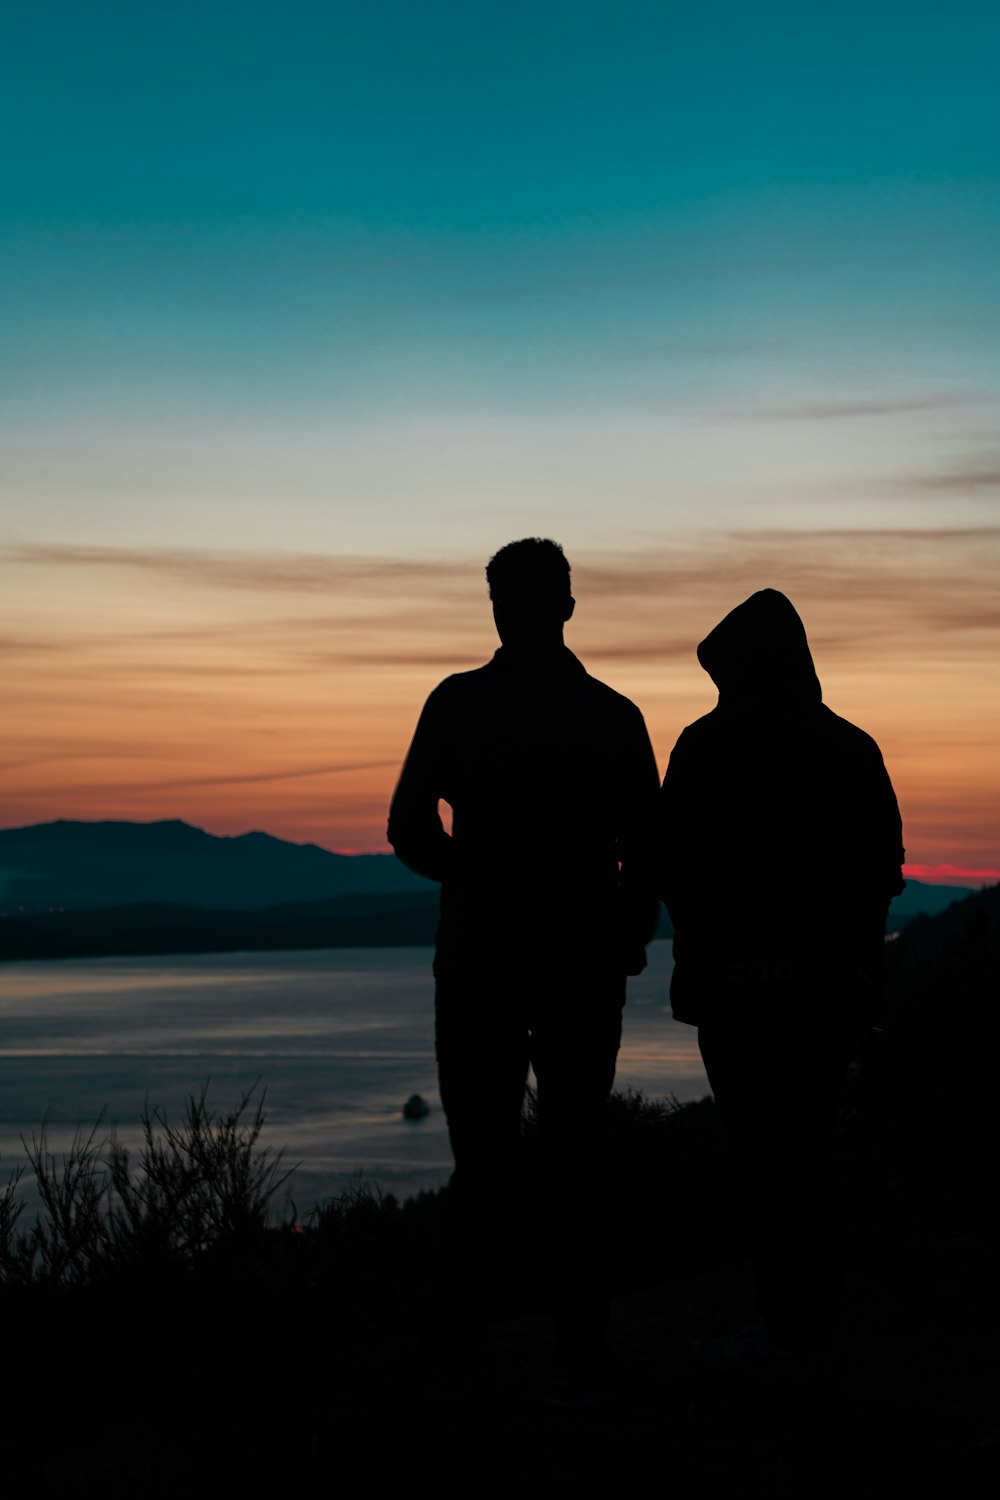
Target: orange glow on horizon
[[950, 875], [240, 694]]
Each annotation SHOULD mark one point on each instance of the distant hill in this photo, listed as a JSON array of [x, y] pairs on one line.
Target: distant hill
[[932, 1093], [939, 943], [71, 889], [86, 866], [922, 899], [406, 918], [83, 866]]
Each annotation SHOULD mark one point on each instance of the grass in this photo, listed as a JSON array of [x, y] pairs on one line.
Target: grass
[[208, 1188], [187, 1309], [191, 1188], [196, 1338]]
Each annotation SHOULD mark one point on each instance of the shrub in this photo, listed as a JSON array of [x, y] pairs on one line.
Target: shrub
[[193, 1186]]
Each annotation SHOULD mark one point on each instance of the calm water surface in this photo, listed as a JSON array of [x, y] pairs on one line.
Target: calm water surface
[[339, 1038]]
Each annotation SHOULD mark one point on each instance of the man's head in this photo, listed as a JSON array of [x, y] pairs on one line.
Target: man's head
[[530, 589]]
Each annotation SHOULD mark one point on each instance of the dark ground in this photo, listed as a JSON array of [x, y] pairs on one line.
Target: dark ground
[[280, 1362], [912, 1404], [299, 1369]]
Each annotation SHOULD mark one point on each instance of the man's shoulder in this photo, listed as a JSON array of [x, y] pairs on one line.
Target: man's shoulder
[[700, 731], [463, 690], [459, 684], [608, 699]]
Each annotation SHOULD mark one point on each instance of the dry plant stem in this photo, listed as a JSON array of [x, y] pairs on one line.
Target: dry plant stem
[[193, 1186]]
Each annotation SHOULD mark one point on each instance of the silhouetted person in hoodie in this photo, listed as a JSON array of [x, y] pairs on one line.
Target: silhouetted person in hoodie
[[547, 900], [780, 848]]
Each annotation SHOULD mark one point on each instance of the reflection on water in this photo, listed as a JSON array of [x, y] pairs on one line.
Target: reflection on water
[[340, 1038]]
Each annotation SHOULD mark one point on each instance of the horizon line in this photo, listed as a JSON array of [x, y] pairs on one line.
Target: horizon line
[[944, 873]]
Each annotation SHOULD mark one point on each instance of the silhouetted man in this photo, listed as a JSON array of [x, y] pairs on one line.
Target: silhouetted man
[[780, 850], [547, 901]]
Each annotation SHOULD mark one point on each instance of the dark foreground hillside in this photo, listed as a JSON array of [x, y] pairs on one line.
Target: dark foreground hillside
[[178, 1346]]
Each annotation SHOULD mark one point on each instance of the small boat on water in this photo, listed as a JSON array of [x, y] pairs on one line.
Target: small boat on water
[[416, 1108]]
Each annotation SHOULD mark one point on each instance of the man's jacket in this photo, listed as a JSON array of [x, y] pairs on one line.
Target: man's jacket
[[779, 839], [552, 784]]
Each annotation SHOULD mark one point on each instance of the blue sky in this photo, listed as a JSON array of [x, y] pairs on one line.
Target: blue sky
[[397, 282], [312, 209], [453, 117]]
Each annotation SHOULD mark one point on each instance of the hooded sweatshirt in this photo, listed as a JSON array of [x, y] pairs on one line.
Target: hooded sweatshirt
[[779, 837]]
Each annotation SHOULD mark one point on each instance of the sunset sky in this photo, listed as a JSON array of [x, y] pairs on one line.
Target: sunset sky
[[308, 309]]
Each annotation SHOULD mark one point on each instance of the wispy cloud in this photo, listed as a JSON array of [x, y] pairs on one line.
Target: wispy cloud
[[271, 572], [388, 610], [255, 667], [246, 777], [27, 645], [966, 481], [837, 411], [903, 562]]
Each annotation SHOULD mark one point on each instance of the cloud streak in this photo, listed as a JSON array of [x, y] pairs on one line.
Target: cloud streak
[[964, 481], [640, 604], [267, 572], [247, 777], [841, 411], [697, 561], [257, 654]]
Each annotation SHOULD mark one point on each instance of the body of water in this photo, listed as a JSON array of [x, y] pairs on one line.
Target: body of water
[[338, 1037]]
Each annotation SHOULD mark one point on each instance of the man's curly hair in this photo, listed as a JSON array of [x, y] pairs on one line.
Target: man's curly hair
[[532, 573]]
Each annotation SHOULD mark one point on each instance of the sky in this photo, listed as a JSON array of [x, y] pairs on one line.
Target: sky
[[309, 309]]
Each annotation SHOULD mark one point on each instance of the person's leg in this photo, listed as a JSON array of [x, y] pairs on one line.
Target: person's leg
[[575, 1035], [482, 1055], [777, 1081]]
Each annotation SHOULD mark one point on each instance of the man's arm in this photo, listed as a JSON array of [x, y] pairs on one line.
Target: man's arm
[[894, 836], [640, 900], [676, 837], [415, 831], [884, 855]]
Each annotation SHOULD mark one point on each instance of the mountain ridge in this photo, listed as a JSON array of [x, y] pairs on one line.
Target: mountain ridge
[[40, 867], [72, 888], [81, 865]]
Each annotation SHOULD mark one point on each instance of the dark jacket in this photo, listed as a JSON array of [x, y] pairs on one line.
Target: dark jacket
[[552, 784], [779, 840]]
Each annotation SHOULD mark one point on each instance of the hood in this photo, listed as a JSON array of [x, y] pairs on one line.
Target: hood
[[759, 654]]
